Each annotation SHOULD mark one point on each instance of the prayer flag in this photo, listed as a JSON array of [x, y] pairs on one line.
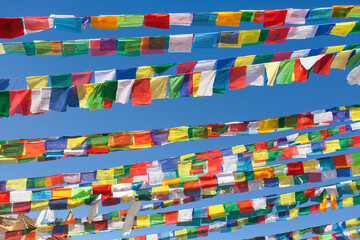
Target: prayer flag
[[274, 18], [157, 20], [175, 86], [158, 87], [141, 92], [11, 27], [296, 16], [81, 78], [277, 35], [231, 19], [237, 78], [104, 22], [130, 20], [206, 83], [37, 81], [286, 72], [180, 43], [182, 19], [20, 102], [342, 29], [68, 24]]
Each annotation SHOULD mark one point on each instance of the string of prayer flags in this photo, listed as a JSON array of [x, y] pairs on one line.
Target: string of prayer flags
[[106, 90], [15, 27], [344, 53], [337, 231], [177, 43], [241, 157], [46, 149], [184, 216], [281, 175], [234, 210]]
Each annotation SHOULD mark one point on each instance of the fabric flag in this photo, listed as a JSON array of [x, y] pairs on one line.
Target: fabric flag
[[244, 61], [145, 72], [237, 78], [317, 14], [354, 76], [342, 29], [180, 43], [274, 18], [175, 82], [95, 101], [277, 35], [182, 19], [301, 73], [83, 93], [11, 27], [185, 67], [251, 37], [61, 80], [104, 46], [322, 66], [206, 83], [36, 24], [141, 92], [129, 46], [255, 75], [71, 24], [341, 59], [271, 72], [124, 90], [104, 22], [205, 40], [296, 16], [37, 81], [286, 72], [231, 39], [302, 32], [81, 78], [161, 68], [20, 102], [157, 20], [35, 101], [105, 75], [58, 98], [158, 87], [45, 99], [231, 19], [130, 20], [204, 65]]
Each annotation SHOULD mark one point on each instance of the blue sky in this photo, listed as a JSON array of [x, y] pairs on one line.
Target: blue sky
[[247, 104]]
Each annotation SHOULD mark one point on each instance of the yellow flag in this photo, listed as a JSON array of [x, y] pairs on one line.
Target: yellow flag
[[261, 155], [239, 177], [145, 72], [341, 59], [83, 94], [269, 125], [238, 149], [272, 69], [74, 203], [37, 81], [183, 157], [225, 35], [356, 171], [184, 168], [287, 199], [293, 214], [332, 146], [302, 138], [181, 234], [158, 87], [39, 205], [251, 36], [196, 83], [143, 221], [160, 190], [17, 184], [104, 174], [342, 29], [75, 142], [286, 181], [355, 114], [61, 193], [335, 49], [217, 211], [244, 61], [231, 19], [348, 202], [310, 165], [179, 134]]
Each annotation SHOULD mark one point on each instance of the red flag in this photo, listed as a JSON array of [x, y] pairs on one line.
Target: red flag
[[11, 27], [157, 20], [20, 102], [274, 18], [300, 72], [36, 23], [141, 92], [322, 66], [185, 67], [277, 35], [237, 77]]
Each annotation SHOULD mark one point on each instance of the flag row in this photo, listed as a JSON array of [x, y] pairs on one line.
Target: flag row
[[18, 26], [137, 46]]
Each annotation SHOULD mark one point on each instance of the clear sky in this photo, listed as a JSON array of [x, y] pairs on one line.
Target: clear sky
[[251, 103]]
